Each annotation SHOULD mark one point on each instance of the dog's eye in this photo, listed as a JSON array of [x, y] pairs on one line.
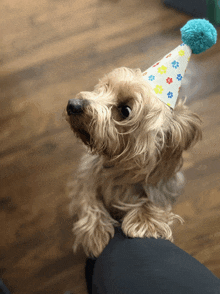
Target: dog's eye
[[125, 111]]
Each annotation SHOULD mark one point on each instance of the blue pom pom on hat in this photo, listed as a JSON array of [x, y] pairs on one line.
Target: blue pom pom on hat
[[165, 76], [199, 35]]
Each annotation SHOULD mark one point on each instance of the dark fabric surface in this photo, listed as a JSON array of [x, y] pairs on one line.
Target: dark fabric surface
[[128, 266], [3, 288], [196, 8], [90, 263]]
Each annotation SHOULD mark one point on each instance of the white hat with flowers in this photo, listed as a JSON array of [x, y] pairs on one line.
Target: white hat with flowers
[[165, 76]]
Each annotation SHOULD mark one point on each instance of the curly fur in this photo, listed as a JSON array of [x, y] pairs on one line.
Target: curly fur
[[130, 176]]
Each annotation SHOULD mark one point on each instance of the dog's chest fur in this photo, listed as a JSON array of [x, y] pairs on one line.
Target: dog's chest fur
[[111, 185]]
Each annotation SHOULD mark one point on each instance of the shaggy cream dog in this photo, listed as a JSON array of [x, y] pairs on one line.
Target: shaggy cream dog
[[130, 176]]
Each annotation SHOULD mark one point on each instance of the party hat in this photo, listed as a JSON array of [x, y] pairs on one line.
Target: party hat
[[165, 76]]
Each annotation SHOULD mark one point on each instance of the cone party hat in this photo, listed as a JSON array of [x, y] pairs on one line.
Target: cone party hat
[[165, 76]]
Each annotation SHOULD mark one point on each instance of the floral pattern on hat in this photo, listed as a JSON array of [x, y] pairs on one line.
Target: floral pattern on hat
[[170, 95], [158, 89], [169, 80], [181, 53], [166, 75], [151, 78], [179, 77], [162, 69], [175, 64]]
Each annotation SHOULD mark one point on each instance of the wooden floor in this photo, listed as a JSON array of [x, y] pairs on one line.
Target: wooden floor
[[52, 49]]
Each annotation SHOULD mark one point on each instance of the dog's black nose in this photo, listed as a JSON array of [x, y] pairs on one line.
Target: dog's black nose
[[75, 106]]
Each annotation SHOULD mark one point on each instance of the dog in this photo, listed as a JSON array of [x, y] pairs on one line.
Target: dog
[[130, 175]]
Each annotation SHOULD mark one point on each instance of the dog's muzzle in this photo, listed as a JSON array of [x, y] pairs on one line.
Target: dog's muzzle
[[75, 106]]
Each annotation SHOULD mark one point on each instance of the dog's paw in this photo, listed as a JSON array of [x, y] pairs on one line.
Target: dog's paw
[[148, 221], [147, 229], [93, 236], [97, 242]]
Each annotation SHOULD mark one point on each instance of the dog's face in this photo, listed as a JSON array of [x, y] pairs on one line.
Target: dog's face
[[123, 120]]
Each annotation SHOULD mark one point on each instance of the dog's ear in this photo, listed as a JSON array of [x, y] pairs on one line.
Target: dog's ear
[[185, 127], [183, 131]]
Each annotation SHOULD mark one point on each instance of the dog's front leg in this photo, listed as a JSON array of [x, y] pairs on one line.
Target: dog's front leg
[[94, 226], [143, 219], [94, 229]]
